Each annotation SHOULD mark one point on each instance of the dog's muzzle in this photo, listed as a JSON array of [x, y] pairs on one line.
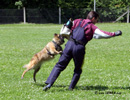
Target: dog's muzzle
[[62, 39]]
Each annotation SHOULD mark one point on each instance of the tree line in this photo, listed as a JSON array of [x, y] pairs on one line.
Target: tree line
[[17, 4], [109, 10]]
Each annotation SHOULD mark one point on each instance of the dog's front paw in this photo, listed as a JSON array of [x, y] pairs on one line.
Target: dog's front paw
[[60, 52], [52, 56]]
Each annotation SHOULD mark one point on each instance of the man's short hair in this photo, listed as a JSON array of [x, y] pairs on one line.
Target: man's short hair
[[92, 14]]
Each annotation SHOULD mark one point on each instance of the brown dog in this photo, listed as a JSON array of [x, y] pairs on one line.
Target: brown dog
[[47, 53]]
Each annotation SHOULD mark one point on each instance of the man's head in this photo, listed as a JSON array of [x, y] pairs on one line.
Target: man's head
[[93, 16]]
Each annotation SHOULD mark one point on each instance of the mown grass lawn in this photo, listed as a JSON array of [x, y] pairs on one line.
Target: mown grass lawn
[[106, 70]]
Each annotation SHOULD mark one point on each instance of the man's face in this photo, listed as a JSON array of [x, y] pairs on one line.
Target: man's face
[[94, 20]]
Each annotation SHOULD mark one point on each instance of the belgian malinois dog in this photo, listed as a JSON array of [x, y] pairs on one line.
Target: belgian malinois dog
[[47, 53]]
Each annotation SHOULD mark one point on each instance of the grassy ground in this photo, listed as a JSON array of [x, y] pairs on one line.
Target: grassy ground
[[106, 70]]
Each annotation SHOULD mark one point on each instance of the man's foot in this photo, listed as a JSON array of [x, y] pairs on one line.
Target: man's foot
[[70, 89], [45, 88]]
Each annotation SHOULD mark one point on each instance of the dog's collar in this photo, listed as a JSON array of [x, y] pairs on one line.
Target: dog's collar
[[56, 45], [54, 42]]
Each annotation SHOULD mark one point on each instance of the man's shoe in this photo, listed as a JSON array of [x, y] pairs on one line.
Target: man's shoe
[[70, 89], [47, 87]]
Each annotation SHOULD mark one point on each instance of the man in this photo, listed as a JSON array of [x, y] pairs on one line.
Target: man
[[82, 32]]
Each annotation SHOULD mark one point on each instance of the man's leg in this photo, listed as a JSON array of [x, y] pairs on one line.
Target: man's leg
[[60, 66], [78, 60]]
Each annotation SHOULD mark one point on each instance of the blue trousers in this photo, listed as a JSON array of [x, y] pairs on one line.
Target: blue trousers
[[72, 51]]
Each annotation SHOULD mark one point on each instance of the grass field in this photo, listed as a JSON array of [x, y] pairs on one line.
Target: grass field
[[106, 70]]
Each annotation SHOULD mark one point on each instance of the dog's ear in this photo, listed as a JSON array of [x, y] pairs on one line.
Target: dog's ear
[[55, 34]]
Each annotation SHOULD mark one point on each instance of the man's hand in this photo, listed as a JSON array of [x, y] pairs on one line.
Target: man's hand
[[118, 33]]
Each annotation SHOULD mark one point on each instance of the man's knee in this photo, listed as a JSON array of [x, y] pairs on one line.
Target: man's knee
[[60, 66]]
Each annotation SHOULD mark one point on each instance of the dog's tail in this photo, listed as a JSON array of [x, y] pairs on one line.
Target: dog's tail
[[25, 66]]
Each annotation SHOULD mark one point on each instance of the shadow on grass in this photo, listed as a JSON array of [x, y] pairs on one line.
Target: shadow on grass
[[39, 84], [97, 87], [124, 88]]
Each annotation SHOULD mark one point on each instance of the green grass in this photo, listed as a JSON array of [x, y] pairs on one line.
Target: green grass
[[106, 70]]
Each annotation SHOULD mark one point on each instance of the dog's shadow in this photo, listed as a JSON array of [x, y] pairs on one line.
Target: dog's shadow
[[97, 87], [39, 84]]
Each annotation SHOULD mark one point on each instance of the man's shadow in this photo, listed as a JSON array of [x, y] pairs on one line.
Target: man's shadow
[[97, 87]]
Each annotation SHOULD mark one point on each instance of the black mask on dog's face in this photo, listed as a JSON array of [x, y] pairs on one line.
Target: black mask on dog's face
[[61, 38]]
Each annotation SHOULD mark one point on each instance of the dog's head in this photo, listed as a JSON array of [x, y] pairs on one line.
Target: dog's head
[[58, 39]]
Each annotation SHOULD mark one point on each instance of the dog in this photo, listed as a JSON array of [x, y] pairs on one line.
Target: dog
[[48, 52]]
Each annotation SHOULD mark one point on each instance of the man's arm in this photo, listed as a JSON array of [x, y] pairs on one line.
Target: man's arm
[[99, 34]]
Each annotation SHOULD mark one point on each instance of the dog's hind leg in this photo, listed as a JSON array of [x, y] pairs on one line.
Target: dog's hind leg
[[35, 71]]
